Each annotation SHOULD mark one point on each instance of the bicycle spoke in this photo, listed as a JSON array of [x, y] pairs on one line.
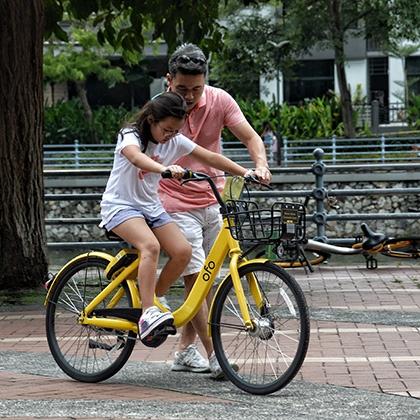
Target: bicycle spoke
[[269, 355], [85, 352]]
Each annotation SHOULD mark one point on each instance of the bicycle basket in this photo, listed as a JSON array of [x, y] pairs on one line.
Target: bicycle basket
[[281, 221]]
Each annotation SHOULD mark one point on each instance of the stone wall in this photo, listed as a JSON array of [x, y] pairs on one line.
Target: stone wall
[[335, 229]]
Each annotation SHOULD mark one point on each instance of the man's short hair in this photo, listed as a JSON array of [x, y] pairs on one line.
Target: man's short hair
[[187, 59]]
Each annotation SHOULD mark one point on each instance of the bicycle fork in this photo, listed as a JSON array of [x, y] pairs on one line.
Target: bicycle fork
[[240, 295]]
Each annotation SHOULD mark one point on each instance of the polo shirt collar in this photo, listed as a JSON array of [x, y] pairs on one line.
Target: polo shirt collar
[[203, 100]]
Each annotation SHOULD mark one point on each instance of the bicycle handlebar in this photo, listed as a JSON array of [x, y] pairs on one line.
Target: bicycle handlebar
[[190, 175]]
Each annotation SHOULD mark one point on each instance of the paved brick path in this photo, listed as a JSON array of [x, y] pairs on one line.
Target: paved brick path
[[365, 334]]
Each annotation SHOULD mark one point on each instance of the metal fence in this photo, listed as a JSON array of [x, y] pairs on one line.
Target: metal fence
[[77, 155], [293, 152], [319, 194], [383, 149]]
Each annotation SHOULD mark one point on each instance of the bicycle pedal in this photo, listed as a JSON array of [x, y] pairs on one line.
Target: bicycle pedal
[[159, 335]]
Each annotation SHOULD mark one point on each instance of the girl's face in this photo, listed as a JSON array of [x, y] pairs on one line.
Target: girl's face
[[165, 129]]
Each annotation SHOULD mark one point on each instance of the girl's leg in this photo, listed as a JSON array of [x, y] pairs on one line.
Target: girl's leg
[[176, 246], [136, 232]]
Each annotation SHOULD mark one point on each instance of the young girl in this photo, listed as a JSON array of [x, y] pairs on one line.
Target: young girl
[[131, 207]]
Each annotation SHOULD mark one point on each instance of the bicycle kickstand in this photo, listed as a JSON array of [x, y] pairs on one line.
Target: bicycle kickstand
[[304, 259], [371, 262]]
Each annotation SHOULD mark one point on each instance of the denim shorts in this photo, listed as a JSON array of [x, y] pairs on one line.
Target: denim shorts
[[126, 214]]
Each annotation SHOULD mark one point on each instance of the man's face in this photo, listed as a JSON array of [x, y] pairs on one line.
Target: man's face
[[189, 86]]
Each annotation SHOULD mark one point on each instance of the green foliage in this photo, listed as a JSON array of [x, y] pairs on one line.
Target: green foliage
[[175, 22], [80, 58], [413, 112], [248, 52], [65, 123], [318, 118]]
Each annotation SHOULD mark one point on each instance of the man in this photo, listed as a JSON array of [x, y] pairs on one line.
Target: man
[[193, 205]]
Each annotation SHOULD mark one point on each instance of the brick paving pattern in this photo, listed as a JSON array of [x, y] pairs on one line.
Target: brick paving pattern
[[365, 334]]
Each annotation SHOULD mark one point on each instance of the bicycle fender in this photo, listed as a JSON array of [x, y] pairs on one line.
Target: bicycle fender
[[70, 263], [225, 279]]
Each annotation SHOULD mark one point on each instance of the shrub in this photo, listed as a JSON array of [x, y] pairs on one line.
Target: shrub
[[317, 118], [64, 123]]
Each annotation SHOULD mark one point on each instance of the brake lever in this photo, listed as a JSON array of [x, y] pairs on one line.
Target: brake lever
[[254, 179]]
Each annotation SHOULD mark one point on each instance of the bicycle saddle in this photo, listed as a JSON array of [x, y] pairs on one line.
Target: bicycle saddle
[[111, 236], [373, 239]]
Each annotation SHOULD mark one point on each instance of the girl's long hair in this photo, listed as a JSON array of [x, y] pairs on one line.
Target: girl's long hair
[[168, 104]]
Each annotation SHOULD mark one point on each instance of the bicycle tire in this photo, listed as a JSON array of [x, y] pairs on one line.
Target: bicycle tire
[[314, 258], [404, 247], [84, 352], [266, 359]]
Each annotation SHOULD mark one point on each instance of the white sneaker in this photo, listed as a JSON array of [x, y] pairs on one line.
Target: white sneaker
[[190, 360], [216, 370], [151, 319]]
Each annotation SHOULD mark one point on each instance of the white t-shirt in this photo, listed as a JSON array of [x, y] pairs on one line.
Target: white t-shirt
[[125, 190]]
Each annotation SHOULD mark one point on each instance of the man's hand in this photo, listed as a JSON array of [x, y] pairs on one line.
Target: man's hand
[[264, 174]]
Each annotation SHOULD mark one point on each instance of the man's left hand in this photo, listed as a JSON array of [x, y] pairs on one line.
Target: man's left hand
[[264, 174]]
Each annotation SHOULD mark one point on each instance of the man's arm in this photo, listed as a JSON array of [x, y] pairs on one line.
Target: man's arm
[[253, 142]]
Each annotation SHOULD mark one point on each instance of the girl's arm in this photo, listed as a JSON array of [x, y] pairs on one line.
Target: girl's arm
[[218, 161], [145, 163]]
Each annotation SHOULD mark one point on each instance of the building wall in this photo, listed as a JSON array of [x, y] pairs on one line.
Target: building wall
[[356, 73], [55, 93]]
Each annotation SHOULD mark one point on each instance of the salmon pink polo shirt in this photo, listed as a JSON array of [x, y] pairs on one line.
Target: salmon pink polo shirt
[[204, 124]]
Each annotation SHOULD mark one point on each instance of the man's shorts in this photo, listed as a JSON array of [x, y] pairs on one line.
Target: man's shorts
[[130, 213], [200, 227]]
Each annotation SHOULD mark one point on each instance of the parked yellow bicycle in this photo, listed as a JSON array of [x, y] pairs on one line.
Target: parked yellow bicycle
[[258, 319]]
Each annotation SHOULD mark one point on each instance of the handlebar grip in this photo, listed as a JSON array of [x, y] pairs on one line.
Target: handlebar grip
[[188, 174], [166, 174]]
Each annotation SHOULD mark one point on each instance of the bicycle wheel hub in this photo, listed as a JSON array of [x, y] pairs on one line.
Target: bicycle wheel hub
[[263, 328]]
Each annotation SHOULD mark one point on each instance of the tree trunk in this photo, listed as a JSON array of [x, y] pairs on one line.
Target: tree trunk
[[22, 236], [87, 110], [338, 42], [345, 100]]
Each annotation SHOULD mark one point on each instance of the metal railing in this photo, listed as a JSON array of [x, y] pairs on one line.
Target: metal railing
[[77, 155], [384, 149], [338, 150], [319, 193], [293, 152]]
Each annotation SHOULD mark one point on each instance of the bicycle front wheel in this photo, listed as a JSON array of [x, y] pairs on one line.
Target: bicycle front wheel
[[265, 358], [85, 352]]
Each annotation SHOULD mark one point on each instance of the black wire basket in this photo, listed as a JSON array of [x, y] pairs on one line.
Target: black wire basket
[[280, 222]]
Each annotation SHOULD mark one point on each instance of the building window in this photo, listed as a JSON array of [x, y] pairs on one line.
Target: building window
[[413, 73], [311, 79]]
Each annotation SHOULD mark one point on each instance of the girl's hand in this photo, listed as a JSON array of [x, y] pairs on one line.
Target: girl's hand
[[176, 171]]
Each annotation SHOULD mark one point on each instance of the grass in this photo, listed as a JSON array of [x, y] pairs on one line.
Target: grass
[[24, 297]]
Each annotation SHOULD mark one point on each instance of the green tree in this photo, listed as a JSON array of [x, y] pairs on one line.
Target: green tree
[[76, 60], [247, 53], [22, 242], [330, 23]]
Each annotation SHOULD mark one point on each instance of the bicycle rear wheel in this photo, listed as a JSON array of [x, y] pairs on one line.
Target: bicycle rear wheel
[[84, 352], [266, 358], [406, 247]]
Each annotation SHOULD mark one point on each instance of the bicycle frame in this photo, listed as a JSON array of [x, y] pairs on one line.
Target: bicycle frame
[[223, 246]]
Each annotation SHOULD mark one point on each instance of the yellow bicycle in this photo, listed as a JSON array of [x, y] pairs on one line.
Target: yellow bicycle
[[258, 319]]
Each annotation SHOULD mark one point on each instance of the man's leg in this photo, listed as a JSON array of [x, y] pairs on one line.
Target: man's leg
[[198, 325]]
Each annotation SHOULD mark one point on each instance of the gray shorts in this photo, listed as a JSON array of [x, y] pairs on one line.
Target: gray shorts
[[126, 214]]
